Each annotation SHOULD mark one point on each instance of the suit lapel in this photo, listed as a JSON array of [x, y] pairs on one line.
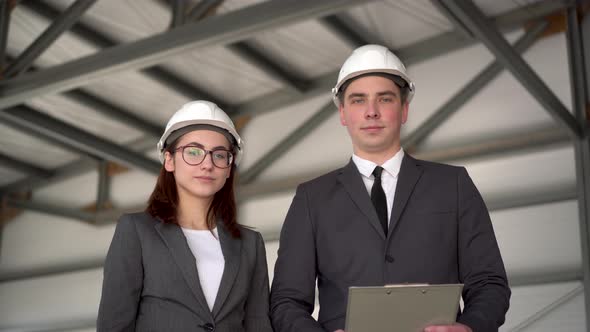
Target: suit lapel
[[408, 176], [231, 248], [180, 251], [353, 184]]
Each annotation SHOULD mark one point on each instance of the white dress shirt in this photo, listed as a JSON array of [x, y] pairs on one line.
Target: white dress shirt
[[388, 177]]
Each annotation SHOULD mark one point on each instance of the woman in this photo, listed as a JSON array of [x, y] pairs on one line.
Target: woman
[[185, 264]]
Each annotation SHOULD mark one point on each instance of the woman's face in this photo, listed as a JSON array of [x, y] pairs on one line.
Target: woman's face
[[201, 181]]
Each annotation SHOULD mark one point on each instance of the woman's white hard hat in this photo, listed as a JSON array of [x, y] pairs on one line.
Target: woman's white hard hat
[[372, 59], [206, 113]]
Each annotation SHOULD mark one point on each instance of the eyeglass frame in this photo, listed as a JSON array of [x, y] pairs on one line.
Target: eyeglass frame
[[207, 152]]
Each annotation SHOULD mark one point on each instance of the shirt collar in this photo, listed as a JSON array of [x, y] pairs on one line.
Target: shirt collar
[[391, 166]]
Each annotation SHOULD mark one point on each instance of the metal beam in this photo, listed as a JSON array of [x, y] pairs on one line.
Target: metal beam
[[158, 74], [287, 143], [178, 13], [530, 12], [40, 135], [52, 270], [454, 20], [250, 54], [59, 211], [518, 143], [268, 66], [76, 138], [70, 325], [201, 9], [4, 27], [113, 112], [79, 29], [284, 97], [578, 68], [414, 53], [543, 278], [23, 167], [468, 91], [81, 166], [104, 184], [516, 280], [479, 25], [421, 51], [505, 146], [1, 236], [343, 28], [223, 29], [61, 24], [555, 195], [506, 22], [548, 309], [181, 86], [75, 168]]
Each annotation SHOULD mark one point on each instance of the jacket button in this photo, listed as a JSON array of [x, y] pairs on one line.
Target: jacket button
[[389, 259], [208, 327]]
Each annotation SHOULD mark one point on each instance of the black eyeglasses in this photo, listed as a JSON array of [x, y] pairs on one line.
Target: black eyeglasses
[[194, 155]]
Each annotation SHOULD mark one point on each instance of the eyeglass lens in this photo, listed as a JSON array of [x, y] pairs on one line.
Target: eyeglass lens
[[194, 155]]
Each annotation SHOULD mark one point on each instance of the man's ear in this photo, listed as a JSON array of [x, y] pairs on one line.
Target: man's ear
[[405, 110], [341, 113]]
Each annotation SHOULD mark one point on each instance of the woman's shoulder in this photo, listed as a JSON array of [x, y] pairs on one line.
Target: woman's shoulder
[[136, 220], [249, 232]]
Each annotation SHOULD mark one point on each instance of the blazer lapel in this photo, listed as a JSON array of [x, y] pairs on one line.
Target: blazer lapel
[[353, 184], [409, 175], [180, 251], [232, 250]]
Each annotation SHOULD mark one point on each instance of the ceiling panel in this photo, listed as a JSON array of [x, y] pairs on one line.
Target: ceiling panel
[[26, 27], [398, 23], [24, 147]]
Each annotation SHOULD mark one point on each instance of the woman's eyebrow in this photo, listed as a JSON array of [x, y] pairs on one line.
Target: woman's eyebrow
[[219, 147]]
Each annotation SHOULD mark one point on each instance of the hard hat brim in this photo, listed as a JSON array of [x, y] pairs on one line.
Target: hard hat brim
[[336, 89]]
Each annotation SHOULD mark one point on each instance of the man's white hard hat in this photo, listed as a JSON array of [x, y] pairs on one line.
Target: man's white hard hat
[[201, 112], [372, 59]]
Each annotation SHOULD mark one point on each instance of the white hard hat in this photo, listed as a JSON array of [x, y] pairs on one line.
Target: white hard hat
[[201, 112], [372, 59]]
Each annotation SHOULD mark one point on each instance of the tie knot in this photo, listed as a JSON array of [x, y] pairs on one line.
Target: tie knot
[[377, 172]]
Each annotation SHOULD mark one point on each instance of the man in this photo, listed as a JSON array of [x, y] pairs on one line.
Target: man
[[385, 218]]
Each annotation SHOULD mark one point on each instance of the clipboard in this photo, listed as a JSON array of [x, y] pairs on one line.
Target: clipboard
[[403, 308]]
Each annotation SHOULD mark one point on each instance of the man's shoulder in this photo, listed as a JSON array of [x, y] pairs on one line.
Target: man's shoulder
[[323, 179], [436, 166]]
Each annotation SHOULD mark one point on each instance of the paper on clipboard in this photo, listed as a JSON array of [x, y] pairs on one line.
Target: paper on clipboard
[[401, 308]]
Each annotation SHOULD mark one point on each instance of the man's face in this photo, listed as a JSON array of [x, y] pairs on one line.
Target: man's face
[[373, 114]]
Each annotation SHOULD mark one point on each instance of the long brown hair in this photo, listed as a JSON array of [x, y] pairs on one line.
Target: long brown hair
[[163, 202]]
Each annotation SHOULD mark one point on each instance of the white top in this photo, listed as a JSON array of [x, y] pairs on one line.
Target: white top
[[388, 177], [210, 261]]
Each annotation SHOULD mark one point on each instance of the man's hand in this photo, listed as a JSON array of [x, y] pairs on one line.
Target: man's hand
[[339, 331], [448, 328]]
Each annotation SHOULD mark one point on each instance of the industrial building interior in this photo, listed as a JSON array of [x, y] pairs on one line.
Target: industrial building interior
[[87, 86]]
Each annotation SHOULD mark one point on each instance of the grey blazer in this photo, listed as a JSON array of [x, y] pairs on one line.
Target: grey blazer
[[439, 232], [151, 281]]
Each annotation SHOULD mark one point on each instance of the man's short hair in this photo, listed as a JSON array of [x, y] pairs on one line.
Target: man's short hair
[[400, 82]]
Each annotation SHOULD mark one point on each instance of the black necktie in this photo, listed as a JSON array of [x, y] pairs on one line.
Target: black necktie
[[378, 198]]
